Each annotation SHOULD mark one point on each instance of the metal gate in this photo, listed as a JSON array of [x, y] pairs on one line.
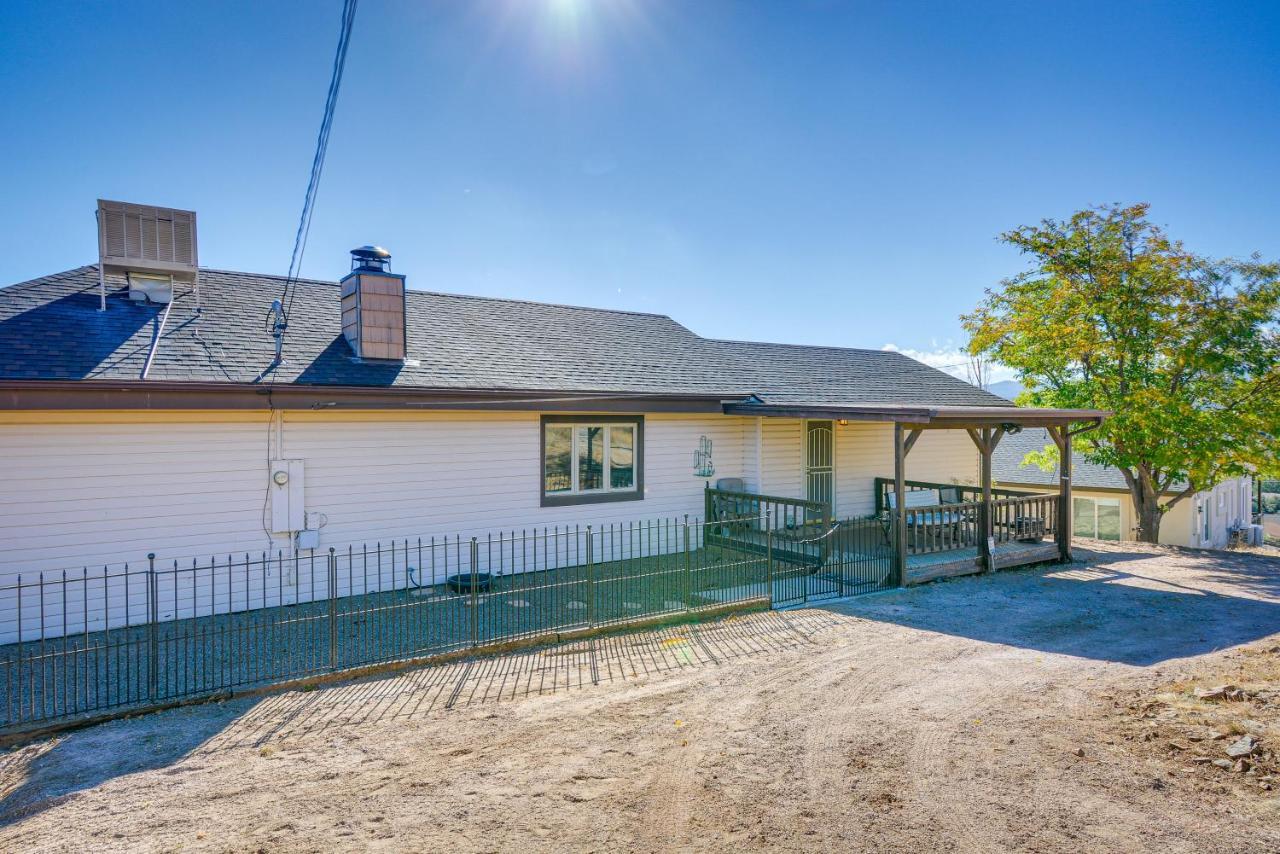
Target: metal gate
[[853, 557]]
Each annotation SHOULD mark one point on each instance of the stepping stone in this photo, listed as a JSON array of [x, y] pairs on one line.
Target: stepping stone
[[518, 603]]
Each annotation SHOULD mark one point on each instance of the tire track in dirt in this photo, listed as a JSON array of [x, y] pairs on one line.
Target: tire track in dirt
[[840, 700], [936, 788], [676, 783]]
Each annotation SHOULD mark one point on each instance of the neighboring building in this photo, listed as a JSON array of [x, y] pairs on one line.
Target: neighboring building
[[1101, 503]]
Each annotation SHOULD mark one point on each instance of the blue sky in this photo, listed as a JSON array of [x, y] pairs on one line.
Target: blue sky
[[812, 172]]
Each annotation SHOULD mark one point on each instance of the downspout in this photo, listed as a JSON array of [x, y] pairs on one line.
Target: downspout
[[760, 455], [155, 339]]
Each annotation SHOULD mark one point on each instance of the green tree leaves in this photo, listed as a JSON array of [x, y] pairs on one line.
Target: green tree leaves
[[1113, 314]]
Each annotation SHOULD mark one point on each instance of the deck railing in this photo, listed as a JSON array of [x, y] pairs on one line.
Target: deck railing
[[948, 493], [1025, 519], [795, 517], [943, 527]]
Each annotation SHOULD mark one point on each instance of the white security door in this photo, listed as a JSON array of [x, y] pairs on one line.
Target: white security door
[[819, 466]]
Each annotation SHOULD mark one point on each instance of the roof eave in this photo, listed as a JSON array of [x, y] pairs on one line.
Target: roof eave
[[178, 395], [939, 417]]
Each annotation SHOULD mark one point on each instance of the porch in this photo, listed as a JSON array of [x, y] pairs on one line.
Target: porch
[[919, 530], [942, 523]]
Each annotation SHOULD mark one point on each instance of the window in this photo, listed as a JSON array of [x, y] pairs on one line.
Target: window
[[1098, 518], [589, 459]]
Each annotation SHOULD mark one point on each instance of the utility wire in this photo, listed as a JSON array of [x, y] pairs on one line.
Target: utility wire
[[287, 291], [317, 164]]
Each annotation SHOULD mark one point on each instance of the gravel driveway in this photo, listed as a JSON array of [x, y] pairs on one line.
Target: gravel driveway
[[963, 716]]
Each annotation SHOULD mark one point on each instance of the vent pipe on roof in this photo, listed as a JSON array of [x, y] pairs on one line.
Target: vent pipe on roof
[[373, 306]]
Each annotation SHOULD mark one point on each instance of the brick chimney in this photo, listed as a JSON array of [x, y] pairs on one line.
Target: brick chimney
[[373, 318]]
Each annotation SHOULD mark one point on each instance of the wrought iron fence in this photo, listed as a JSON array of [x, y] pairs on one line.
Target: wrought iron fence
[[90, 641]]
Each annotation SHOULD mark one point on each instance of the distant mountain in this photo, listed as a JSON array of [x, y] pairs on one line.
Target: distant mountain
[[1008, 389]]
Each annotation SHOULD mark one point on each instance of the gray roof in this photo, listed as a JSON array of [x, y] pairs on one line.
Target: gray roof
[[783, 374], [50, 328], [1007, 467]]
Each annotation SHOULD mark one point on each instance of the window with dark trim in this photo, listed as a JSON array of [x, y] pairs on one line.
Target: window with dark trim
[[587, 459]]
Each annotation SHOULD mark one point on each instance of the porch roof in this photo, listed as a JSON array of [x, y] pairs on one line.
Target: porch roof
[[925, 417]]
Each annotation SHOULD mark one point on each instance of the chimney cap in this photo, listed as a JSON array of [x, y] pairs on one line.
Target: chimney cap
[[370, 258]]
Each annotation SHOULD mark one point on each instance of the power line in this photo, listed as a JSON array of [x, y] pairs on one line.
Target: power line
[[279, 315], [317, 164]]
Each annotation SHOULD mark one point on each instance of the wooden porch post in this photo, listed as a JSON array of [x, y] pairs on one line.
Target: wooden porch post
[[899, 506], [988, 529], [986, 442], [1062, 438]]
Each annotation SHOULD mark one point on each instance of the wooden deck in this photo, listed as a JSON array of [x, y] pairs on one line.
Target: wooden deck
[[805, 539], [949, 564]]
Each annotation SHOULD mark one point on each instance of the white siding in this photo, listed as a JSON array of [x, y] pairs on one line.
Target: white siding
[[78, 494], [864, 451], [783, 452], [93, 494], [86, 490], [1227, 507], [469, 474]]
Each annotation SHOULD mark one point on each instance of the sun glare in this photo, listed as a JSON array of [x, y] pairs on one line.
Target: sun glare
[[573, 41]]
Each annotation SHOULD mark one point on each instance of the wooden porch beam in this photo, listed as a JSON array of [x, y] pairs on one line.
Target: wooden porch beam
[[911, 440]]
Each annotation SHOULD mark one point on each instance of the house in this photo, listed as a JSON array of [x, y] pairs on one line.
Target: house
[[150, 406], [1101, 506]]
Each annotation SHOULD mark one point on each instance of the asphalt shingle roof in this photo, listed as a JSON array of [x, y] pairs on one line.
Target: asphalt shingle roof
[[1007, 467], [784, 374], [50, 328]]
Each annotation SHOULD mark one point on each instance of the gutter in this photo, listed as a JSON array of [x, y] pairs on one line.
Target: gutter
[[940, 416], [168, 394]]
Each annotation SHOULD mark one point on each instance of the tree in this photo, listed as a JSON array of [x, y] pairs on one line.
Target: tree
[[978, 370], [1183, 350]]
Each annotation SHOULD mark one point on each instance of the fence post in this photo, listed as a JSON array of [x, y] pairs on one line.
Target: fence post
[[333, 609], [688, 582], [153, 616], [768, 549], [475, 593], [591, 582]]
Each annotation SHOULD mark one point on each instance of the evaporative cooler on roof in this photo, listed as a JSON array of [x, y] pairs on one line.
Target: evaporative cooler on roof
[[151, 245]]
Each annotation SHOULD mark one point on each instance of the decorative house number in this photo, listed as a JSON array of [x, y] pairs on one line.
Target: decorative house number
[[702, 465]]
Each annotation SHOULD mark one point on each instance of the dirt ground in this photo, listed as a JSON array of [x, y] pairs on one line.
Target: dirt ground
[[987, 714]]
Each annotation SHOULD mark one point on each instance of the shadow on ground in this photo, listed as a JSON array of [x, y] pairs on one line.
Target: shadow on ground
[[1121, 605], [1103, 607], [39, 775]]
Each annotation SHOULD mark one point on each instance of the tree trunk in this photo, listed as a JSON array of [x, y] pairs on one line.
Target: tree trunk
[[1146, 506]]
